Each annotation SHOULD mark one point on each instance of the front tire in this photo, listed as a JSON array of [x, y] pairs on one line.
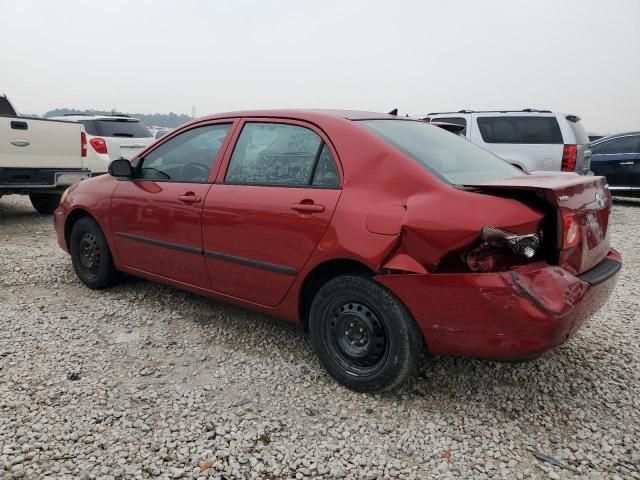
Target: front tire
[[45, 203], [90, 255], [363, 335]]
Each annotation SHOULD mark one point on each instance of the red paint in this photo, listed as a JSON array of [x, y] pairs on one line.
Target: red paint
[[391, 215]]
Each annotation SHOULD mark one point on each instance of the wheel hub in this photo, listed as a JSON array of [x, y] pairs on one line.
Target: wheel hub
[[358, 336], [89, 252]]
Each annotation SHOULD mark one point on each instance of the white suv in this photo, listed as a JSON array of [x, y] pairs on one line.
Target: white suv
[[111, 137], [529, 139]]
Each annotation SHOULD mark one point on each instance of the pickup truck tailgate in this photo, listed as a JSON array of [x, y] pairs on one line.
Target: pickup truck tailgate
[[40, 143]]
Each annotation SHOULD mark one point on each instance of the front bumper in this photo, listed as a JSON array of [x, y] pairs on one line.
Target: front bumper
[[59, 217], [513, 315]]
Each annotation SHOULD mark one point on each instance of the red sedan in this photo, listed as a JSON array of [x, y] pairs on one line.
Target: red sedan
[[382, 236]]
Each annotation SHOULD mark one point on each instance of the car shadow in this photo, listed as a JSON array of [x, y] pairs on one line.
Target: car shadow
[[509, 387]]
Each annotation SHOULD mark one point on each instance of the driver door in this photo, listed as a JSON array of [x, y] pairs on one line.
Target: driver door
[[156, 218]]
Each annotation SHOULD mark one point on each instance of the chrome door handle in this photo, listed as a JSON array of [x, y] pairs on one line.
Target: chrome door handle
[[20, 143], [626, 163]]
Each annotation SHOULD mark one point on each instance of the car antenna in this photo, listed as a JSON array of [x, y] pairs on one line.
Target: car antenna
[[394, 112]]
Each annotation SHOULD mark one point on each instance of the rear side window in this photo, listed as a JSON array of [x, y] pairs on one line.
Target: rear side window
[[281, 154], [629, 144], [514, 129], [116, 128], [450, 157], [6, 109]]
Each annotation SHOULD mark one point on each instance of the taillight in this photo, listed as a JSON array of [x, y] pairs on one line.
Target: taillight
[[99, 145], [569, 158], [83, 144], [570, 229]]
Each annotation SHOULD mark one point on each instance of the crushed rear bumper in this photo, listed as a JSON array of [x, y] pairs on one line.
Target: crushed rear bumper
[[512, 315]]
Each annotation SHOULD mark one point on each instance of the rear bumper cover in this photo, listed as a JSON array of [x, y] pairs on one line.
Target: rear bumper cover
[[512, 315]]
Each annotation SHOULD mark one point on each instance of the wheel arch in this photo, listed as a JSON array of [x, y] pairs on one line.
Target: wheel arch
[[319, 276], [72, 219]]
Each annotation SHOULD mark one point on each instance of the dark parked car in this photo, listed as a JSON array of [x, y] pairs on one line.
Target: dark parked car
[[379, 235], [617, 157]]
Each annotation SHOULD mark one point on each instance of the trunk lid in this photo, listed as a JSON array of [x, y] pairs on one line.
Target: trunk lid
[[586, 198]]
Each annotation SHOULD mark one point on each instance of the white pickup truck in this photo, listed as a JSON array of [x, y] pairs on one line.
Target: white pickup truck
[[39, 157]]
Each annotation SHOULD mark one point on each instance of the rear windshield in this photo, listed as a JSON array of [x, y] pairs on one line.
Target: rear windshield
[[116, 128], [449, 156], [514, 129]]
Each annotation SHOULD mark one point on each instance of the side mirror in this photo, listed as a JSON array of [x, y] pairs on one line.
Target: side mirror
[[121, 168]]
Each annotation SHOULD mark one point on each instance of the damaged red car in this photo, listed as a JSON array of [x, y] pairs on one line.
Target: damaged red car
[[382, 236]]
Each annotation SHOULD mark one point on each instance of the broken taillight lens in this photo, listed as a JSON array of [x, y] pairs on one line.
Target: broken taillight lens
[[570, 229]]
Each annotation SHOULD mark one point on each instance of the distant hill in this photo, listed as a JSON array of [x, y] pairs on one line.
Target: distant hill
[[170, 120]]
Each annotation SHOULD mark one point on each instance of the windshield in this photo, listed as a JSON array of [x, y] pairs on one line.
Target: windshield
[[450, 156]]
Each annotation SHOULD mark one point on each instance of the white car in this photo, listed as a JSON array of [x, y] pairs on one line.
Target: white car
[[532, 140], [39, 157], [110, 137]]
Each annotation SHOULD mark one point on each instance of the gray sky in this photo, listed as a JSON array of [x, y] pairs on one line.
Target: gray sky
[[574, 56]]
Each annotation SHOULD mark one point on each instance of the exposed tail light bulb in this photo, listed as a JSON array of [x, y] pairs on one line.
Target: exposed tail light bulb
[[569, 158], [570, 229], [98, 144], [496, 252]]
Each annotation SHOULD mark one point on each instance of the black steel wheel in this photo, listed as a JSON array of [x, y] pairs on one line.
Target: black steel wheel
[[363, 335], [91, 256], [355, 337]]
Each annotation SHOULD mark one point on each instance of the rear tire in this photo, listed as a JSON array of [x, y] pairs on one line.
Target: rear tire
[[90, 255], [363, 335], [45, 203]]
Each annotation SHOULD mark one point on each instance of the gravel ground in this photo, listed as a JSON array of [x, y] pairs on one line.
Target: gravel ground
[[144, 381]]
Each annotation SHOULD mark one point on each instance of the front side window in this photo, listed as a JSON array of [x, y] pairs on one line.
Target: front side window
[[450, 157], [187, 157], [629, 144], [279, 154], [514, 129]]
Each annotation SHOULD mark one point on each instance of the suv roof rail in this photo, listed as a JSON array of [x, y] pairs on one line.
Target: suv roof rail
[[528, 110]]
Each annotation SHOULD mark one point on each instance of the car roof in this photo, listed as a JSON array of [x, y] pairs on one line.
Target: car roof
[[310, 114], [614, 135], [523, 111]]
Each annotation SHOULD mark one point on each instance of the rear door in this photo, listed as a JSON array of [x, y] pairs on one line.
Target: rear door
[[157, 217], [618, 159], [269, 208], [531, 142]]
